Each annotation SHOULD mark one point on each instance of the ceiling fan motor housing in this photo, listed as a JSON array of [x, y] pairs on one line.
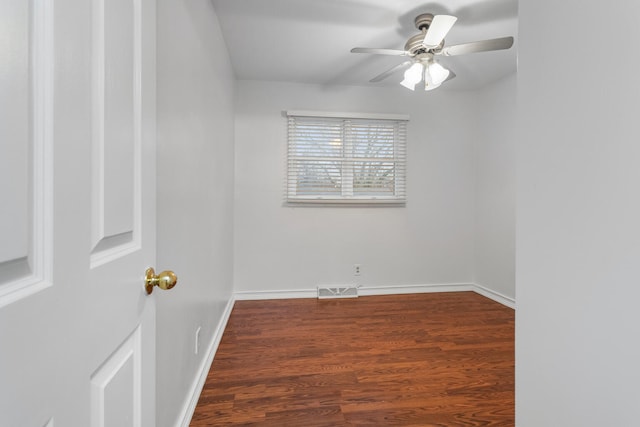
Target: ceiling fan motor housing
[[415, 43], [423, 21]]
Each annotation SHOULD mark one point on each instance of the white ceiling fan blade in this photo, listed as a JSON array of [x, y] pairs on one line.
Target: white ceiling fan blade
[[438, 29], [389, 72], [380, 51], [479, 46]]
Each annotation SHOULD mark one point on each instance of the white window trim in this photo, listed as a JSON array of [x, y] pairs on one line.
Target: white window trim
[[342, 115], [347, 199]]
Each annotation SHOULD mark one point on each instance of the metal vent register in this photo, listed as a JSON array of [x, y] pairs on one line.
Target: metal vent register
[[349, 291]]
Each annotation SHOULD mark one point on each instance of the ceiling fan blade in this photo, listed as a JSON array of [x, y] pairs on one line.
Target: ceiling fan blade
[[380, 51], [479, 46], [438, 29], [389, 72]]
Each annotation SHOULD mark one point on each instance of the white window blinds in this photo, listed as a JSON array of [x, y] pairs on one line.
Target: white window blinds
[[346, 159]]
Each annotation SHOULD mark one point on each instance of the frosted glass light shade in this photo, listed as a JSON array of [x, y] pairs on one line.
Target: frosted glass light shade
[[438, 73], [434, 75], [412, 76]]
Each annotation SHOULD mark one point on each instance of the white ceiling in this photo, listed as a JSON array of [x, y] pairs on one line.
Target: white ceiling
[[309, 41]]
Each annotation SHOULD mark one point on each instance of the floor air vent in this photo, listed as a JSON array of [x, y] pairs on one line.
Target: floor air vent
[[337, 292]]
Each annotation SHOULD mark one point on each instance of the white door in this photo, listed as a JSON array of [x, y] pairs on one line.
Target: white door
[[77, 212]]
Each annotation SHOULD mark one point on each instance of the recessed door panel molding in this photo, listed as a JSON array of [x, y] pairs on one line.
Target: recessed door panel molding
[[15, 135], [117, 162], [116, 390], [26, 100]]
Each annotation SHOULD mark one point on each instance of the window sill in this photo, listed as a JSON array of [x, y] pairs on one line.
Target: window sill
[[320, 202]]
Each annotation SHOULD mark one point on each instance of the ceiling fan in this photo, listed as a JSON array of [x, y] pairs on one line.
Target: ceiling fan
[[424, 46]]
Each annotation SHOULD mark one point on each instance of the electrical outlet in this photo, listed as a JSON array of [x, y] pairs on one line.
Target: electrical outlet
[[197, 346], [356, 269]]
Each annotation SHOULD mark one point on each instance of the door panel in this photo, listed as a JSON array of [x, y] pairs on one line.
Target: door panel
[[116, 387], [15, 134], [25, 151], [116, 100], [77, 118]]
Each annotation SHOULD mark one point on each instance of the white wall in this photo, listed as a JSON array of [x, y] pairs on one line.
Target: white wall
[[430, 241], [195, 192], [578, 214], [494, 144]]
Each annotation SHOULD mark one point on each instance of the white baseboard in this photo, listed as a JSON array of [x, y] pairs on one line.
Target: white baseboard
[[383, 290], [196, 388], [276, 294], [414, 289], [496, 296]]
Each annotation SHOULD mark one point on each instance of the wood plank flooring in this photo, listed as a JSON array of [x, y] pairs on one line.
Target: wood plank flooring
[[439, 359]]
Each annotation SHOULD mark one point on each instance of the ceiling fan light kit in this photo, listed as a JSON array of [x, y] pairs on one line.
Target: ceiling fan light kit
[[422, 48], [432, 73], [428, 70]]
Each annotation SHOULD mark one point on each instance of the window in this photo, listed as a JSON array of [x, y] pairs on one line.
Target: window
[[341, 158]]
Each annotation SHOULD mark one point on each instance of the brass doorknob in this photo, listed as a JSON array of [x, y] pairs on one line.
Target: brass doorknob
[[165, 280]]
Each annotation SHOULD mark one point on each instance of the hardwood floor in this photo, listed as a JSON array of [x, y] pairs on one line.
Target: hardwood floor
[[440, 359]]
